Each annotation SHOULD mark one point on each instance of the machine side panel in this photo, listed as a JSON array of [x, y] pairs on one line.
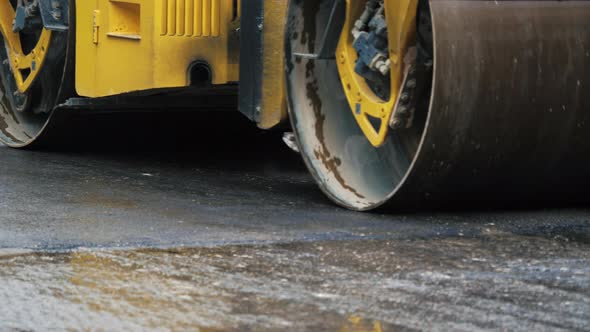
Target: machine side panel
[[131, 45]]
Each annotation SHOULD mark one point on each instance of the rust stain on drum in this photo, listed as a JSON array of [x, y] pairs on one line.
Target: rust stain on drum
[[308, 36], [332, 163], [3, 124]]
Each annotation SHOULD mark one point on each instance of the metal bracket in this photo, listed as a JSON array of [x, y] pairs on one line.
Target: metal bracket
[[55, 14], [251, 66], [331, 37], [403, 113]]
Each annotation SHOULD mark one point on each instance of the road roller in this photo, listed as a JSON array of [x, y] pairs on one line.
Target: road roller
[[392, 104]]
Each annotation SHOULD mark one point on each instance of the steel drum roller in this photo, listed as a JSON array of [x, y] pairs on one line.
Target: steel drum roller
[[506, 117]]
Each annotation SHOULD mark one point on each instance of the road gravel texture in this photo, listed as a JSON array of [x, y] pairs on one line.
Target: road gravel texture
[[237, 237]]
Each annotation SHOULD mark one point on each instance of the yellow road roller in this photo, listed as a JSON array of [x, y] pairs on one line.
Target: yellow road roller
[[392, 103]]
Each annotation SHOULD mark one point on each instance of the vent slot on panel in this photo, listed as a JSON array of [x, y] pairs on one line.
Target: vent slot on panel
[[124, 20], [191, 18]]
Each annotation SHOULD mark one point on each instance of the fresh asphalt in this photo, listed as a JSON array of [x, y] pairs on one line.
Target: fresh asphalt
[[226, 231]]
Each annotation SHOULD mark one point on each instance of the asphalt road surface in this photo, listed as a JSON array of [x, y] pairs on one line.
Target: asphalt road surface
[[232, 234]]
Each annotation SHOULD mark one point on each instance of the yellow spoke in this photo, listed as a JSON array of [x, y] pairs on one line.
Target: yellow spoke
[[6, 18], [366, 106], [31, 62]]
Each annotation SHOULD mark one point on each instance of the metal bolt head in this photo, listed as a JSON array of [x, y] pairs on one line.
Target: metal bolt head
[[397, 123]]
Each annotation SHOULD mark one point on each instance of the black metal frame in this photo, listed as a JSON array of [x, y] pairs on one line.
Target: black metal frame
[[331, 36], [251, 52], [55, 14]]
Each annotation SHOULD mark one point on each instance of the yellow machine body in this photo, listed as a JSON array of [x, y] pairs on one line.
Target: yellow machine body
[[131, 45]]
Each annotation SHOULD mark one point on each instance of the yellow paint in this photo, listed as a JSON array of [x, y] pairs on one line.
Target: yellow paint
[[130, 45], [95, 25], [358, 324], [401, 20], [25, 67], [124, 20], [198, 13], [273, 105]]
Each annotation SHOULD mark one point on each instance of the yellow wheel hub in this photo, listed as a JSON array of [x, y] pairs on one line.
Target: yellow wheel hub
[[366, 106], [25, 67]]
